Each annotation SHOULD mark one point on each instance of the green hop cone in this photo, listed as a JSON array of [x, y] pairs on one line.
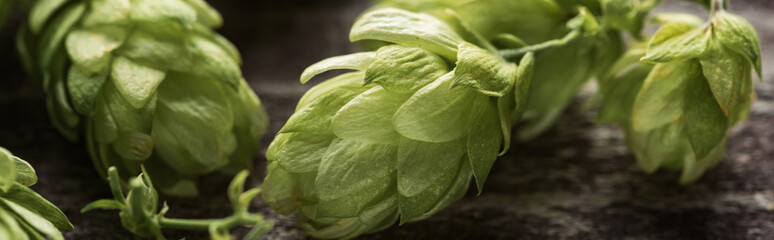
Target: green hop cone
[[24, 214], [402, 135], [581, 48], [677, 113], [145, 82]]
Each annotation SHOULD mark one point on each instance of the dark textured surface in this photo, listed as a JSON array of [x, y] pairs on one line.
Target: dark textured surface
[[577, 181]]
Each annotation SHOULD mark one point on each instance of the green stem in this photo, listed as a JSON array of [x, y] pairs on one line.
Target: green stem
[[718, 5], [512, 54], [204, 224]]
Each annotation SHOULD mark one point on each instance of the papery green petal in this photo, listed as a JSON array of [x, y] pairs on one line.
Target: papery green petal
[[724, 71], [662, 97], [162, 10], [210, 60], [90, 49], [205, 13], [352, 81], [677, 41], [318, 114], [25, 174], [484, 138], [30, 200], [353, 203], [664, 18], [84, 88], [350, 166], [662, 146], [355, 61], [408, 29], [136, 82], [483, 71], [367, 118], [279, 190], [421, 203], [106, 12], [738, 34], [154, 50], [378, 212], [299, 152], [55, 32], [435, 113], [403, 69], [704, 121], [10, 227], [42, 12], [422, 165], [7, 170], [38, 222]]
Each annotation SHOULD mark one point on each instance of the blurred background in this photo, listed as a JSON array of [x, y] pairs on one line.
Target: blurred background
[[577, 181]]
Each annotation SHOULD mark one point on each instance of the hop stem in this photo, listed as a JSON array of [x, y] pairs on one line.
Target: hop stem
[[512, 54]]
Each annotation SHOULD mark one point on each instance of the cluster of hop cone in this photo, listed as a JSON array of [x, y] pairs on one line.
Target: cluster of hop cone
[[159, 100]]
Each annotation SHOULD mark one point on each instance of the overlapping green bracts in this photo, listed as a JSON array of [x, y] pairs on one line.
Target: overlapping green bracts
[[145, 82], [23, 213], [677, 113], [560, 71], [401, 136]]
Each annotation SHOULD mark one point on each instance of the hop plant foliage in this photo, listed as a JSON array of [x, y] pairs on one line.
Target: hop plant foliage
[[140, 214], [401, 136], [24, 214], [677, 112], [145, 82]]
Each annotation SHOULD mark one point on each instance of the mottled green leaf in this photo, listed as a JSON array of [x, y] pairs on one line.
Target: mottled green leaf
[[378, 212], [368, 117], [456, 190], [352, 81], [280, 189], [403, 69], [421, 203], [162, 10], [25, 174], [705, 123], [355, 61], [28, 199], [90, 49], [349, 166], [738, 34], [299, 152], [84, 88], [210, 60], [662, 96], [7, 170], [136, 82], [484, 138], [106, 12], [152, 49], [353, 203], [725, 73], [318, 114], [483, 71], [408, 29], [435, 113], [423, 164], [677, 41]]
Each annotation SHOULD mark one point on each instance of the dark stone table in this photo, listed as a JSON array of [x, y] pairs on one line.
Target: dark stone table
[[577, 181]]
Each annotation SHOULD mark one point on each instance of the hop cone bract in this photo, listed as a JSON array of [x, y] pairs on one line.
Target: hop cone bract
[[145, 82]]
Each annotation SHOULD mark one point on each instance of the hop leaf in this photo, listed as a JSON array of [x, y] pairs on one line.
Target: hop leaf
[[23, 213], [145, 82]]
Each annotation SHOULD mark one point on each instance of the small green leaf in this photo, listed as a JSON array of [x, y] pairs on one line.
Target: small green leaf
[[435, 113], [368, 117], [584, 22], [620, 91], [725, 73], [380, 211], [163, 10], [483, 71], [212, 61], [84, 88], [418, 205], [738, 34], [10, 227], [136, 82], [148, 47], [7, 170], [299, 151], [705, 123], [662, 96], [484, 138], [677, 41], [660, 146], [523, 83], [408, 29], [41, 12], [134, 146], [404, 69], [280, 189], [52, 36], [205, 13], [352, 81], [353, 203], [349, 166], [106, 12], [90, 49], [355, 61], [318, 114], [104, 204], [32, 201], [421, 164], [25, 174]]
